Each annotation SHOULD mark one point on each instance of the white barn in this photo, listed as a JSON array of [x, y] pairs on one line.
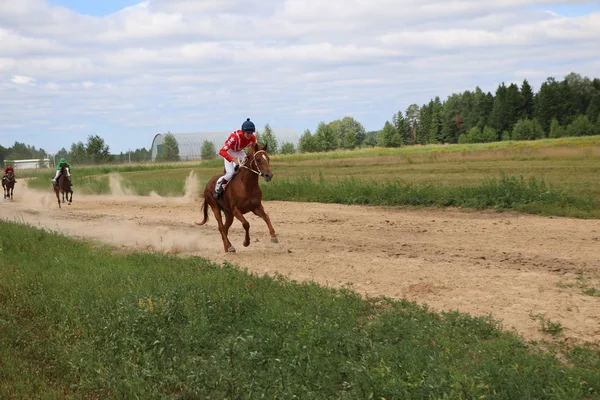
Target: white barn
[[29, 164]]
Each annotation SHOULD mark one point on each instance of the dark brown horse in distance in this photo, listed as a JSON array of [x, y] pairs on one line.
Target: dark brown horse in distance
[[8, 184], [241, 196], [63, 186]]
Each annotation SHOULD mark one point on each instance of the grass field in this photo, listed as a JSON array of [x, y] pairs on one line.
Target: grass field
[[560, 176], [78, 321]]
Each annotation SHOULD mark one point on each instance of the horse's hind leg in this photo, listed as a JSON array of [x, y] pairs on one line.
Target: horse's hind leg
[[260, 211], [228, 222], [238, 214], [226, 243], [57, 197]]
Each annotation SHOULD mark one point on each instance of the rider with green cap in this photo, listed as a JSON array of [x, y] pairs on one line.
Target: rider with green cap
[[58, 169]]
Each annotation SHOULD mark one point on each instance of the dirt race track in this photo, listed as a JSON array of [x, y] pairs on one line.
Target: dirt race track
[[512, 266]]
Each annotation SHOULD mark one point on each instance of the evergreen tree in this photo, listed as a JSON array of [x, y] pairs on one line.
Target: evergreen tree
[[424, 126], [435, 134], [593, 110], [467, 104], [401, 126], [528, 100], [547, 103], [515, 109], [499, 119], [479, 111], [452, 121]]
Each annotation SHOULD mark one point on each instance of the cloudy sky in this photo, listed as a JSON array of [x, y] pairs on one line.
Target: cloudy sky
[[126, 70]]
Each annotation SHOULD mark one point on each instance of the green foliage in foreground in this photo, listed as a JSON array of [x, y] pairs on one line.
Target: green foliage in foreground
[[83, 322], [505, 192]]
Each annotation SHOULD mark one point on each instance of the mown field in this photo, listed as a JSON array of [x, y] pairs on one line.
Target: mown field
[[79, 320], [550, 177]]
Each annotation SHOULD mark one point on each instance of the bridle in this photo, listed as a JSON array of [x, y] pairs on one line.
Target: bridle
[[10, 176], [243, 164]]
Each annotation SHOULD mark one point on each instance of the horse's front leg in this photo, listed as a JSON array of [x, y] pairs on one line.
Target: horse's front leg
[[238, 214], [260, 211]]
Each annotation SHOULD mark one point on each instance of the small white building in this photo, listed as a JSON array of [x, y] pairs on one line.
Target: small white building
[[29, 164]]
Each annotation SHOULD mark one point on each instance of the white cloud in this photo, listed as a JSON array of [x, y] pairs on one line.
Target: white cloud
[[23, 80], [186, 65]]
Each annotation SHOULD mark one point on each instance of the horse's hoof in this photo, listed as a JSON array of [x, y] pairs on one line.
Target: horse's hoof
[[246, 244], [231, 249], [274, 240]]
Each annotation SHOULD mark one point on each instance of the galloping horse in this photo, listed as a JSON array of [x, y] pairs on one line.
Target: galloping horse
[[63, 186], [241, 196], [8, 184]]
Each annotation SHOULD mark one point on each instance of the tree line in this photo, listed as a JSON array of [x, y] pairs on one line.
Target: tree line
[[570, 107], [93, 151]]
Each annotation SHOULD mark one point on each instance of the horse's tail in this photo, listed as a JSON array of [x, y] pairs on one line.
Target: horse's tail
[[205, 212]]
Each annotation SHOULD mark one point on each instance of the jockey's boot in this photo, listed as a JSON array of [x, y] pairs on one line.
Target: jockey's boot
[[221, 183]]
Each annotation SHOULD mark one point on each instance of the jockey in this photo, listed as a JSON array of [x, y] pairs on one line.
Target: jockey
[[58, 168], [9, 168], [233, 153]]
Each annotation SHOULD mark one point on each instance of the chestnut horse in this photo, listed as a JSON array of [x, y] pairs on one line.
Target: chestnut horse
[[241, 196], [8, 184], [63, 186]]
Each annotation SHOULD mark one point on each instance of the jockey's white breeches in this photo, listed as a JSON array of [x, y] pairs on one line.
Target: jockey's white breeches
[[230, 165], [58, 173]]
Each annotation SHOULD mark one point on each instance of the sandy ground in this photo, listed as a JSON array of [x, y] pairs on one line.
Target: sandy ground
[[508, 265]]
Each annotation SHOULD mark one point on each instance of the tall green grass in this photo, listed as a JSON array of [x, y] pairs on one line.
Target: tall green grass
[[505, 192], [77, 321], [551, 177]]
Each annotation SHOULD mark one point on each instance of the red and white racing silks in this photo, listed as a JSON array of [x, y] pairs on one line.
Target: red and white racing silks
[[236, 142]]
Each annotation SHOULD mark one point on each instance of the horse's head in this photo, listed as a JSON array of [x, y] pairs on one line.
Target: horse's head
[[10, 175], [260, 160]]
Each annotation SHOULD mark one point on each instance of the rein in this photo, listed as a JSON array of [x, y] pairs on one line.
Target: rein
[[243, 164]]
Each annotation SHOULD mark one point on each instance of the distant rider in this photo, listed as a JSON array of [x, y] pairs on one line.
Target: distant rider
[[9, 168], [58, 169]]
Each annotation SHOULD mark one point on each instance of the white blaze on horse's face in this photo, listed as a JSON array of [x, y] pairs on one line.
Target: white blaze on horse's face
[[262, 163]]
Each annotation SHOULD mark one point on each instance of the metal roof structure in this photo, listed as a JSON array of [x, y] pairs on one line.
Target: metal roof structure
[[190, 144]]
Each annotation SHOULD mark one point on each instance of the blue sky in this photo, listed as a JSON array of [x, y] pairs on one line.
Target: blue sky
[[98, 8], [69, 68]]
